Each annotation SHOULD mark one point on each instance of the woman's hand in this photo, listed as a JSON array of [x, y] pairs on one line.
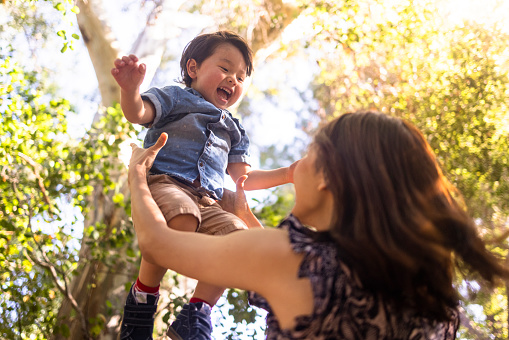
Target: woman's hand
[[236, 203], [142, 159]]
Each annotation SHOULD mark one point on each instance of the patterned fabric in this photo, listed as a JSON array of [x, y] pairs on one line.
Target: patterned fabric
[[342, 308]]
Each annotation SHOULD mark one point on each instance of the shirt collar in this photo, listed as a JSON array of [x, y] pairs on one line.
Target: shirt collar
[[198, 94], [193, 91]]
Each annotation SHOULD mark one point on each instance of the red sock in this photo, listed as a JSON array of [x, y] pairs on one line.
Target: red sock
[[195, 300], [140, 287]]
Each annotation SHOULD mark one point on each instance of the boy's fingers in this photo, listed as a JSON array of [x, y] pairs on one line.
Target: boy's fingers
[[118, 62], [292, 170], [126, 60]]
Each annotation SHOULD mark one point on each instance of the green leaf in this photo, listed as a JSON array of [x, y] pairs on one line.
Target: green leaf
[[60, 7], [118, 198], [75, 10]]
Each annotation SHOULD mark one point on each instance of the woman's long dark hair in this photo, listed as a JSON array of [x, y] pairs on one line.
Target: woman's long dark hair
[[397, 222]]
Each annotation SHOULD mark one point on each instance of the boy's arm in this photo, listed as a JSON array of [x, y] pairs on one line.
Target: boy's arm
[[261, 179], [129, 75], [136, 110]]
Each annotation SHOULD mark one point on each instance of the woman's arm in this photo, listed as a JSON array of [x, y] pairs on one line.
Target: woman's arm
[[255, 259]]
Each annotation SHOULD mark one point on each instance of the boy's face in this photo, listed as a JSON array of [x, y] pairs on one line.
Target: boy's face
[[220, 77]]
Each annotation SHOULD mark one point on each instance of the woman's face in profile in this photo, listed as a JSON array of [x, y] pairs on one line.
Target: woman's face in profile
[[310, 189]]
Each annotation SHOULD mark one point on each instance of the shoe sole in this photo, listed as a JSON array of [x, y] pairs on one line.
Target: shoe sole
[[173, 335]]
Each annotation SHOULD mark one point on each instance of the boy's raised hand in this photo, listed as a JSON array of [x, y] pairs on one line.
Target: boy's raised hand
[[128, 73]]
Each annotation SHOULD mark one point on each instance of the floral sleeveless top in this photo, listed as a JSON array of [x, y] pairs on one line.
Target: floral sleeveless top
[[342, 308]]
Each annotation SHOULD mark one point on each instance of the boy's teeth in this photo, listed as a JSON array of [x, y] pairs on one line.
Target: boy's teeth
[[223, 94]]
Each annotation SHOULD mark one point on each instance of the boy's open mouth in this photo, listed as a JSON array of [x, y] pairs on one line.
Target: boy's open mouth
[[224, 93]]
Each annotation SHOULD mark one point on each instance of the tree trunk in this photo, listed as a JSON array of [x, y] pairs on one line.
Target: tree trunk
[[99, 41], [96, 282]]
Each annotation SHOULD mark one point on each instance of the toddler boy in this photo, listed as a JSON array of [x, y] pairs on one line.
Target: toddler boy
[[204, 142]]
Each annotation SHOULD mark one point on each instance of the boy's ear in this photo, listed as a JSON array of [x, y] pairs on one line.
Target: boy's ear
[[192, 66]]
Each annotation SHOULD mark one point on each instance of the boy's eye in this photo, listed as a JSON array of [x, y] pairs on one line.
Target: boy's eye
[[240, 80], [224, 69]]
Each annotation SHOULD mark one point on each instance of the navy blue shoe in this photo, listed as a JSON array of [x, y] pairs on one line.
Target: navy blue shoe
[[138, 320], [193, 323]]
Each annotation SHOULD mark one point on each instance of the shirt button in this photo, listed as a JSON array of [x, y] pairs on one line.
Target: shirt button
[[223, 116], [201, 163], [209, 143]]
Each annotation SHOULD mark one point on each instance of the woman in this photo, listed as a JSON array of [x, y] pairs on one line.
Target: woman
[[367, 252]]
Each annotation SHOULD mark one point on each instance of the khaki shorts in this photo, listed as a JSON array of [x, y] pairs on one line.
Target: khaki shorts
[[176, 198]]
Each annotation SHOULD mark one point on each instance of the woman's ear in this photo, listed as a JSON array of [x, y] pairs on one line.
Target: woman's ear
[[192, 66], [322, 183], [323, 186]]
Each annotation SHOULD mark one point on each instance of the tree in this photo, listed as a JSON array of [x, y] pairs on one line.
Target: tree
[[90, 284], [400, 58]]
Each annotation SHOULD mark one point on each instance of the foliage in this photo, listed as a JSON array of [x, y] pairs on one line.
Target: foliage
[[45, 177], [274, 208], [237, 316], [34, 148], [31, 16]]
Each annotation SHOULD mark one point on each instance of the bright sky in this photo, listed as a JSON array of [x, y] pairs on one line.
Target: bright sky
[[481, 11]]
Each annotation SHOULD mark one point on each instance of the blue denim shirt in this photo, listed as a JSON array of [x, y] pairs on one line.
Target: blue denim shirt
[[202, 139]]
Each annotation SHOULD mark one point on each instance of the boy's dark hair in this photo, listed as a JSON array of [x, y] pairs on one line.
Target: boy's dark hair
[[204, 45]]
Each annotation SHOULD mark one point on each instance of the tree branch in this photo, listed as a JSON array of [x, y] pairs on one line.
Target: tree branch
[[465, 322], [64, 290], [48, 266], [37, 167]]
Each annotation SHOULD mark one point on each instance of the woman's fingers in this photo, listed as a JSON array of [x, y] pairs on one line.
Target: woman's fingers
[[240, 183], [240, 196], [227, 202], [161, 141], [145, 157]]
